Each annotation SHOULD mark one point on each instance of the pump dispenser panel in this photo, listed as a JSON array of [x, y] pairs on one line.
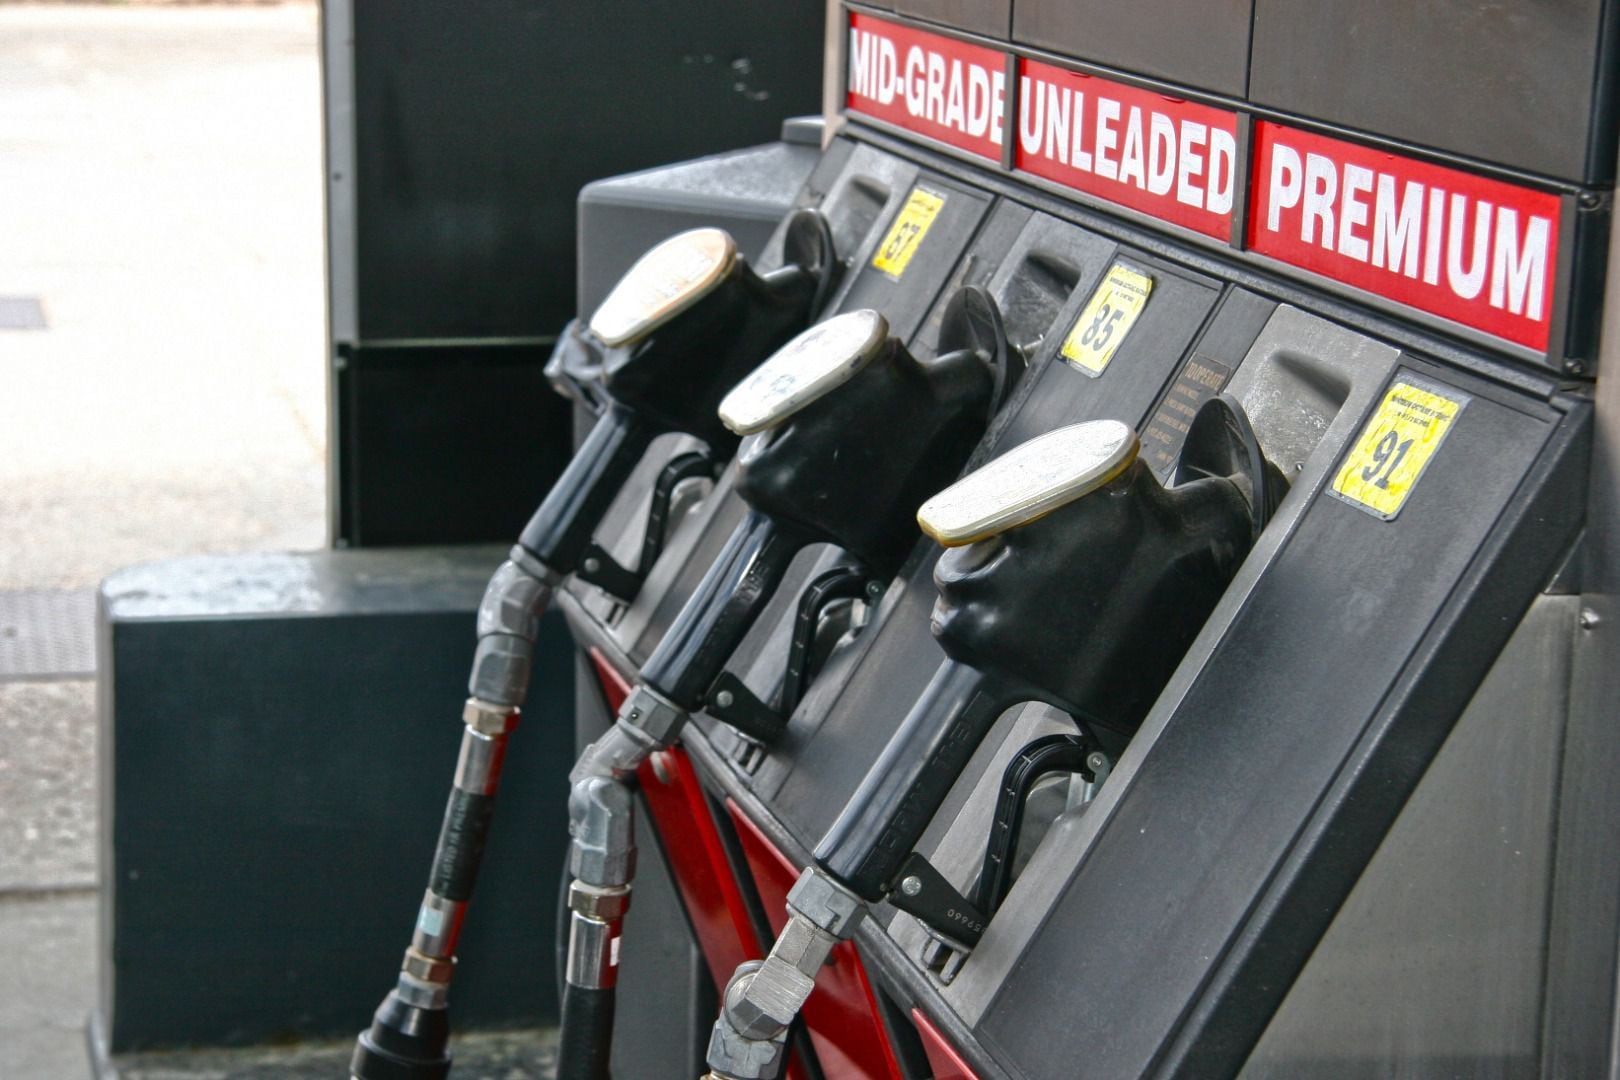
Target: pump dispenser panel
[[1160, 653]]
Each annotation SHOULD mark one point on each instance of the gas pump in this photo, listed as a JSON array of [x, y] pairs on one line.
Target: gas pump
[[1210, 303], [682, 326], [1069, 532], [846, 430]]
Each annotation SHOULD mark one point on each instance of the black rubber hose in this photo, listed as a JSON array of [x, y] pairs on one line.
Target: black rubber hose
[[587, 1033], [461, 844]]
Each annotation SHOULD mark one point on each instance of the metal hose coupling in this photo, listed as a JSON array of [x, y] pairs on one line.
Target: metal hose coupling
[[735, 1054], [764, 997], [647, 721], [508, 624], [595, 917], [602, 858], [601, 827]]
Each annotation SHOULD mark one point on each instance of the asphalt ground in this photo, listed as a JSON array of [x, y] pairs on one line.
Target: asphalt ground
[[161, 201]]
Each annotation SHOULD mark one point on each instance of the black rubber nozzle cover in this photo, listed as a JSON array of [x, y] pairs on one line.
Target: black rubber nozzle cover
[[673, 379], [852, 467], [404, 1042], [677, 375], [849, 469], [1118, 582], [1089, 608]]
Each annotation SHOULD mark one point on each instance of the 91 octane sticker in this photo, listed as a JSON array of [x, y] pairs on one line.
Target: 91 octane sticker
[[1395, 447], [907, 232], [1108, 317]]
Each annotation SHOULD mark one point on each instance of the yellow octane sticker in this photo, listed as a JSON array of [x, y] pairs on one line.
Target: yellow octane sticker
[[1395, 447], [1109, 315], [910, 226]]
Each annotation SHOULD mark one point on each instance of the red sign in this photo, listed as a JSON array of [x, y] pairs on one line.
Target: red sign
[[1479, 252], [935, 86], [1163, 156]]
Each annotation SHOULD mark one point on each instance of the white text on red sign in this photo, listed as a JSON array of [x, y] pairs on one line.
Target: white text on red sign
[[1477, 251], [1482, 253], [1170, 158], [937, 86]]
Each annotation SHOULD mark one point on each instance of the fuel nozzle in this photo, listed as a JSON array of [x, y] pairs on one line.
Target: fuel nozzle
[[1072, 572], [683, 325], [847, 467], [692, 318], [656, 311], [1073, 577], [845, 432]]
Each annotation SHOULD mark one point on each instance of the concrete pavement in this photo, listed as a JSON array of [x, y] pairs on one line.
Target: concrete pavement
[[160, 191], [160, 194]]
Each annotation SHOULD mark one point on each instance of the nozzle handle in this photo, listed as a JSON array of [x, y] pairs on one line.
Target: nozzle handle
[[561, 529], [718, 615], [906, 786]]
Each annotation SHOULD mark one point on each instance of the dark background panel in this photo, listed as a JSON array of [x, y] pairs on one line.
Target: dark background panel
[[1505, 82], [1433, 967], [444, 444], [1205, 44], [991, 18], [478, 122]]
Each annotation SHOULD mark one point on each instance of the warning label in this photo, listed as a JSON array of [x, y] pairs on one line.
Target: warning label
[[1107, 318], [906, 234], [1201, 379]]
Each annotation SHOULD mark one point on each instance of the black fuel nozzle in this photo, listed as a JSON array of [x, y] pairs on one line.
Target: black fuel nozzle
[[1071, 577], [678, 331], [686, 322], [845, 432], [1087, 591]]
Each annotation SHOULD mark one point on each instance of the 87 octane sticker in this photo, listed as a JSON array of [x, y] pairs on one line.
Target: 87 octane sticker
[[906, 235], [1395, 447]]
